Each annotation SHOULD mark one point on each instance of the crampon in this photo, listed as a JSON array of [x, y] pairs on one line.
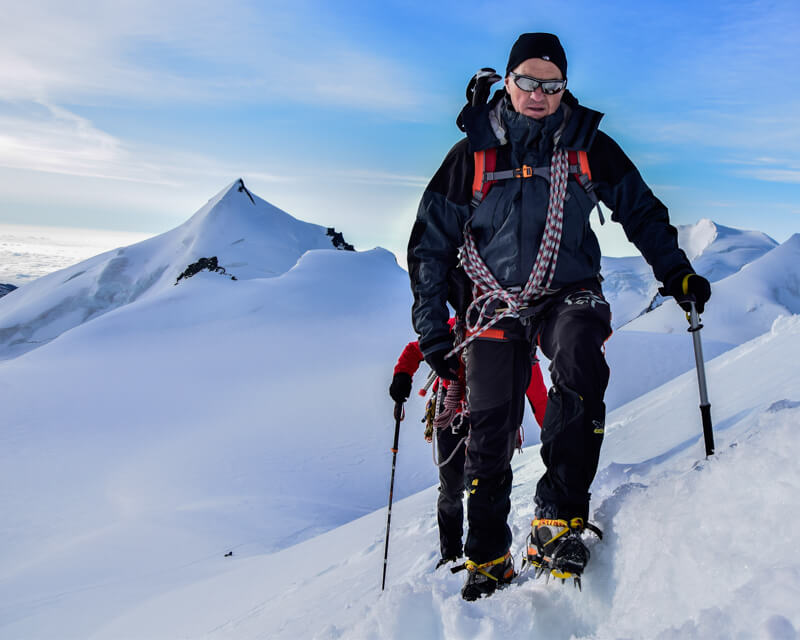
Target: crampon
[[555, 548], [484, 579]]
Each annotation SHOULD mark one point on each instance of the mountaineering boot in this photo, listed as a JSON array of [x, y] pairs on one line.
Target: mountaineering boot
[[555, 547], [484, 579]]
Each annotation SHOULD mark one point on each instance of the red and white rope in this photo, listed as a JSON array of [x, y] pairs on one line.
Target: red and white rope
[[487, 290]]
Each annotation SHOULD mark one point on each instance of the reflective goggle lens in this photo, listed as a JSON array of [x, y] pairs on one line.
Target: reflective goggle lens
[[527, 83]]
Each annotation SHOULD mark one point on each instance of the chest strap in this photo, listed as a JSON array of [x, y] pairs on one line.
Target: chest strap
[[486, 176]]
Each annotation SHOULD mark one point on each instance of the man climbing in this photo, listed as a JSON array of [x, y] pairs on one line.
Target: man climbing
[[515, 197], [450, 430]]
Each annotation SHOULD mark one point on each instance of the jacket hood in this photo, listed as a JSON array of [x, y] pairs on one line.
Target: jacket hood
[[485, 126]]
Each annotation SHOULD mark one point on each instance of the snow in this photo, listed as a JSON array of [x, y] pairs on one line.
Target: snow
[[252, 239], [743, 305], [211, 460], [693, 548], [715, 251]]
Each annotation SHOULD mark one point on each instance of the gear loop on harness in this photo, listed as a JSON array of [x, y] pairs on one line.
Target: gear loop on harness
[[487, 292], [449, 413]]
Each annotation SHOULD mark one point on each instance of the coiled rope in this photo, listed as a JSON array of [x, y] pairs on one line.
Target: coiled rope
[[487, 292]]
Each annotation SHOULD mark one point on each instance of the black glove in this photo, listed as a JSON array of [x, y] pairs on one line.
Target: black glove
[[688, 287], [445, 368], [400, 388]]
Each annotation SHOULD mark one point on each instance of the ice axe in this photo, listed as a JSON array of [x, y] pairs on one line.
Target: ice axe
[[480, 85], [398, 416], [478, 90], [705, 407]]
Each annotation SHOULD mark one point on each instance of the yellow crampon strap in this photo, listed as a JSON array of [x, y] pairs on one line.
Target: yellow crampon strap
[[575, 523], [473, 567]]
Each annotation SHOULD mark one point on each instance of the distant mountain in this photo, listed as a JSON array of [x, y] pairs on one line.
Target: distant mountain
[[250, 237], [743, 305], [715, 251]]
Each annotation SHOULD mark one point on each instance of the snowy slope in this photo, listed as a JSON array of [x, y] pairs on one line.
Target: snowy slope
[[743, 305], [251, 238], [653, 348], [158, 427], [210, 416], [693, 548], [715, 251]]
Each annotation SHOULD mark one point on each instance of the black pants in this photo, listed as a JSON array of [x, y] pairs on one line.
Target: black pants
[[450, 505], [571, 328]]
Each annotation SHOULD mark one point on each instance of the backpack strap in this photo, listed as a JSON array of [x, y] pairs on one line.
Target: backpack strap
[[485, 161], [579, 169]]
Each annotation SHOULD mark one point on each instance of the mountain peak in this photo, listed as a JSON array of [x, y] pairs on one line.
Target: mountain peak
[[696, 238], [250, 238]]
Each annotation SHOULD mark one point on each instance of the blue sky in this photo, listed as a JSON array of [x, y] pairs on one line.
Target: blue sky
[[130, 115]]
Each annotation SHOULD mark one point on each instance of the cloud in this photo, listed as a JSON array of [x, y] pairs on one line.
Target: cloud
[[383, 178], [767, 169], [46, 138], [791, 176], [156, 51]]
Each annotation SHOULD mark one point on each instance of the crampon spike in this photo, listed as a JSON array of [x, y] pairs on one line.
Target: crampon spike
[[578, 584]]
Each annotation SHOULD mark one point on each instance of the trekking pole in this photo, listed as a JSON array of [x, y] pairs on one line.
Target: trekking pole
[[398, 416], [705, 406]]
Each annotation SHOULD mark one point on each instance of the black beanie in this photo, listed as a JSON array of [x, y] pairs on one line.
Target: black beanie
[[538, 45]]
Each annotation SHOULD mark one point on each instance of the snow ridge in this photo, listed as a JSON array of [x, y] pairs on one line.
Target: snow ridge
[[251, 237]]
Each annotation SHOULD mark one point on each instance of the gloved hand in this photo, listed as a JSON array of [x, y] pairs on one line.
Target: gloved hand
[[400, 388], [686, 287], [445, 368]]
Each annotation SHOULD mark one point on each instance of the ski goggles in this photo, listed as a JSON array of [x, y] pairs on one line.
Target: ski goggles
[[527, 83]]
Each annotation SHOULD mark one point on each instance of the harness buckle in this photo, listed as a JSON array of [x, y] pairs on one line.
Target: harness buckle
[[525, 171]]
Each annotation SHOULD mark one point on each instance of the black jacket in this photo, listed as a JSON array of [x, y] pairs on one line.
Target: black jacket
[[509, 222]]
